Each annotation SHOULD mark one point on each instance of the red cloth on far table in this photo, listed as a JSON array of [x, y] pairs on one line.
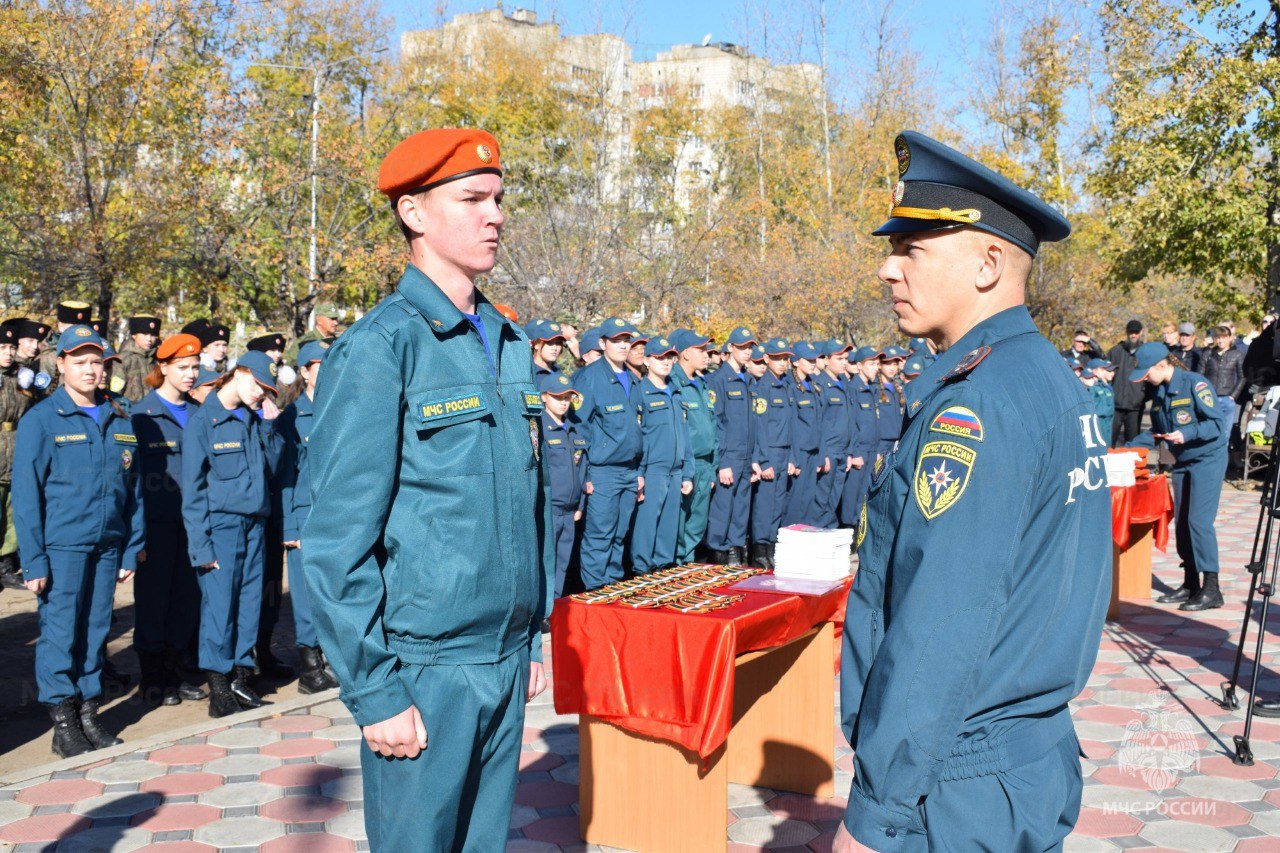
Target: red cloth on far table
[[666, 674], [1145, 502]]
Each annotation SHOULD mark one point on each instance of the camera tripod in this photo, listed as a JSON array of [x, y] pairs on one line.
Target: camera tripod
[[1263, 555]]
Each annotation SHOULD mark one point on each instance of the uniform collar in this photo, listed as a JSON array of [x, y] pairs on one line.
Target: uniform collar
[[1009, 323], [66, 406], [217, 413], [304, 404], [552, 425], [441, 314], [678, 375]]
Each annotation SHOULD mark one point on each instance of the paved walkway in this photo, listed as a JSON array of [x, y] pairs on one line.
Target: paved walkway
[[1159, 775]]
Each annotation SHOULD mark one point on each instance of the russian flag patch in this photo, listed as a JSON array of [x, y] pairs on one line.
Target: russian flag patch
[[958, 421]]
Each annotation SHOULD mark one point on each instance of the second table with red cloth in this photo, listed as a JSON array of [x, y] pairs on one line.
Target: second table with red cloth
[[666, 674], [1145, 502]]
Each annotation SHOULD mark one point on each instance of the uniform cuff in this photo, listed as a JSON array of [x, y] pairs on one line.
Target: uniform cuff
[[202, 557], [36, 569], [876, 827], [535, 644], [378, 702]]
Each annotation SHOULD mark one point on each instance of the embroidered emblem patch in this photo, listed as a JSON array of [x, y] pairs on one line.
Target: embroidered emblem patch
[[454, 406], [532, 400], [958, 421], [711, 397], [1183, 417], [862, 527], [126, 459], [761, 405], [125, 438], [533, 437], [941, 476], [1205, 393]]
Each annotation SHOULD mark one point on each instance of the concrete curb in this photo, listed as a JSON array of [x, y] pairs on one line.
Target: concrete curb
[[170, 737]]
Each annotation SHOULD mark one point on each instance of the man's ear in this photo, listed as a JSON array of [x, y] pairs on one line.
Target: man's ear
[[410, 210]]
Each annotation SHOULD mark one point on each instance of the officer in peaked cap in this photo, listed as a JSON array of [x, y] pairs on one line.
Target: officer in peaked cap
[[689, 378], [328, 319], [730, 391], [427, 484], [984, 536]]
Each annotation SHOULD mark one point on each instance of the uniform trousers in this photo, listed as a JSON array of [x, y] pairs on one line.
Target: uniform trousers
[[769, 499], [730, 506], [694, 510], [1196, 490], [608, 518], [457, 794], [299, 594], [565, 530], [75, 616], [857, 484], [657, 527], [272, 582], [1031, 807], [231, 595], [828, 492], [166, 596], [800, 502], [1126, 426], [9, 545]]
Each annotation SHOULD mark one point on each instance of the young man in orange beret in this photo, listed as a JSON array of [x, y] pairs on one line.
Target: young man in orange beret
[[426, 550]]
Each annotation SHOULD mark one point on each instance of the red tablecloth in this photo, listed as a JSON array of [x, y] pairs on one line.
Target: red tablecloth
[[1146, 502], [670, 675]]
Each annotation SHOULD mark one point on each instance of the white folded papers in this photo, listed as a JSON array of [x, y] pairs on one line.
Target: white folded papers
[[812, 553], [1120, 468]]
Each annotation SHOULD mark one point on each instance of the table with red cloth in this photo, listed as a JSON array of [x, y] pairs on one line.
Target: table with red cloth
[[1140, 518], [673, 706]]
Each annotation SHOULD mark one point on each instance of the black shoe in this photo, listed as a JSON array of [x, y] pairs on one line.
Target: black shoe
[[1208, 597], [192, 692], [184, 679], [312, 678], [92, 726], [1178, 596], [718, 558], [269, 666], [760, 555], [243, 691], [68, 737], [221, 700], [736, 557], [154, 685], [1267, 707]]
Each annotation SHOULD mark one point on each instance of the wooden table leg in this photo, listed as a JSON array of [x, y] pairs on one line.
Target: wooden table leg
[[640, 793], [1131, 568], [784, 716]]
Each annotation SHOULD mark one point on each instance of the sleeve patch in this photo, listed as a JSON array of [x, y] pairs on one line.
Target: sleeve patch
[[958, 421], [942, 473], [761, 405], [1205, 393]]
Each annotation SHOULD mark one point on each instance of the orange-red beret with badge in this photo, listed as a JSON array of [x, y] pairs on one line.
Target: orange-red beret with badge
[[178, 346], [429, 158]]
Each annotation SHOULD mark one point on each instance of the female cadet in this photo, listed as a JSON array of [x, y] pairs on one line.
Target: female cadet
[[294, 428], [77, 504], [564, 451], [1186, 416], [229, 454], [165, 593], [666, 461], [806, 436]]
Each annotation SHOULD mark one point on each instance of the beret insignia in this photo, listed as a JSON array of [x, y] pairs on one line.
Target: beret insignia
[[483, 152]]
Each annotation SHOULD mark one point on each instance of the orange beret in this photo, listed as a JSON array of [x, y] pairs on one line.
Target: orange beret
[[507, 311], [431, 157], [178, 346]]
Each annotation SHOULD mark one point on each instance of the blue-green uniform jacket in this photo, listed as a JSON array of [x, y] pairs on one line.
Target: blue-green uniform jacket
[[1187, 403], [428, 536], [985, 571], [1104, 402], [698, 412]]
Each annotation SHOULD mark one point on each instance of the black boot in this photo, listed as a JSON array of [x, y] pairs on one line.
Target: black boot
[[312, 678], [92, 726], [1267, 707], [760, 555], [185, 679], [333, 676], [154, 685], [1190, 586], [1208, 597], [68, 737], [269, 666], [243, 690], [221, 700], [718, 558], [736, 557]]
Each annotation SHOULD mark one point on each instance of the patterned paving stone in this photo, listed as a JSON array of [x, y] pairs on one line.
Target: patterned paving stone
[[297, 747], [174, 816], [240, 794], [346, 756], [239, 832], [308, 842], [181, 784], [1212, 788], [1104, 824], [188, 754], [303, 809], [556, 830], [541, 794], [60, 791], [349, 787], [126, 771], [113, 838], [1190, 837], [116, 805], [237, 738], [343, 732], [242, 765], [349, 825], [296, 723], [43, 828], [772, 833], [301, 775]]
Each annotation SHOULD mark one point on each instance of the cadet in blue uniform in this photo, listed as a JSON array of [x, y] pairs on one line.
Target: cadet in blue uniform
[[294, 428], [865, 406], [1104, 396], [546, 340], [428, 550], [837, 433], [806, 436], [77, 506], [774, 407], [166, 598], [564, 456], [610, 406], [229, 455], [730, 392], [1185, 415], [666, 461], [892, 404], [986, 535], [689, 378]]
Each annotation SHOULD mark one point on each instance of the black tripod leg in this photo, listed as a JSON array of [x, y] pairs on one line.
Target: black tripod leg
[[1267, 514], [1244, 753]]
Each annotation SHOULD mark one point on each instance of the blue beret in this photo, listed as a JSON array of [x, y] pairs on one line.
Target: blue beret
[[79, 336], [778, 346], [740, 336], [806, 350], [262, 367], [554, 383], [312, 351], [682, 339], [939, 187], [615, 327]]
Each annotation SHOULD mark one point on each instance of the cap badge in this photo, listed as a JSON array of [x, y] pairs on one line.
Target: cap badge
[[903, 153], [323, 344], [83, 333], [483, 152], [555, 327], [564, 380], [272, 369], [618, 323], [899, 190], [782, 343]]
